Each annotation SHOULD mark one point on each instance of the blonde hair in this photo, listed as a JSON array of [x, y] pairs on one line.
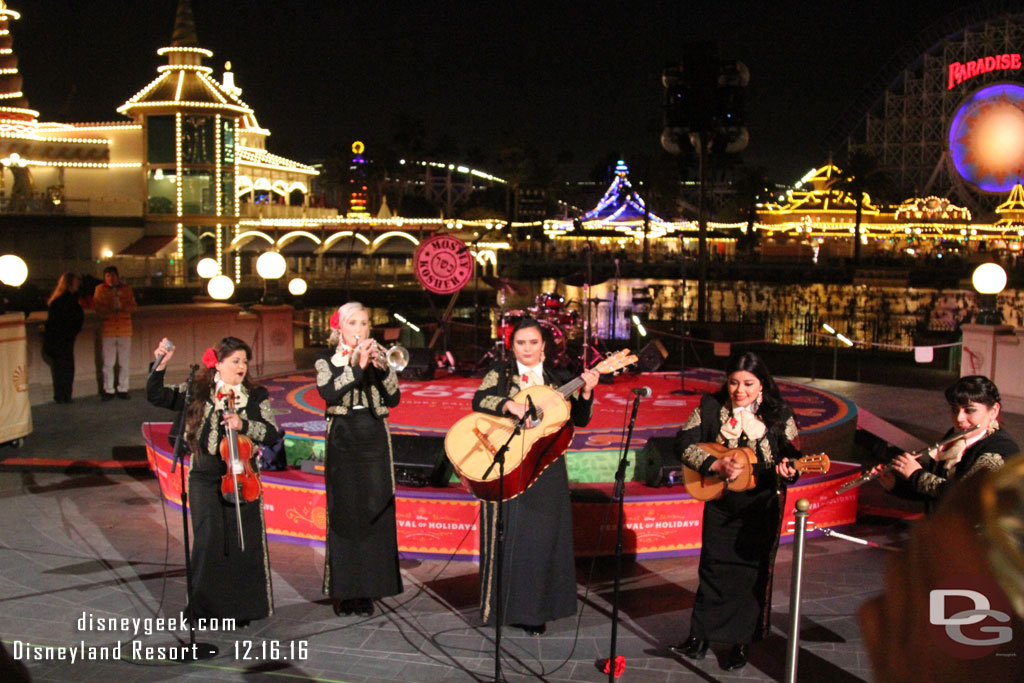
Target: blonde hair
[[63, 285], [345, 311]]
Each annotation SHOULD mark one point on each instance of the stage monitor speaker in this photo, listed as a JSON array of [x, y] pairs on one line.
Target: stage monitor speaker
[[656, 462], [420, 460], [421, 365], [651, 357]]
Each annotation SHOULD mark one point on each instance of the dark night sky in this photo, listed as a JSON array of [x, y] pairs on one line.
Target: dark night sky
[[565, 76]]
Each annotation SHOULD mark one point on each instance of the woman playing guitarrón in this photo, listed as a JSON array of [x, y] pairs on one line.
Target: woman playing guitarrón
[[538, 579]]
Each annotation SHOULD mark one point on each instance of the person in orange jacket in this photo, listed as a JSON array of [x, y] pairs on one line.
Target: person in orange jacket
[[115, 303]]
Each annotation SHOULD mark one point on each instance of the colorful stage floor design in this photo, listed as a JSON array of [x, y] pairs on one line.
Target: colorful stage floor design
[[442, 523], [429, 408]]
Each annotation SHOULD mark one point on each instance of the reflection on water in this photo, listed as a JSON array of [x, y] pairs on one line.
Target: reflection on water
[[785, 313], [789, 313]]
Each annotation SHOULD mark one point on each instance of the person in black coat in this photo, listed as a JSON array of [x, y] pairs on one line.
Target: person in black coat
[[973, 402], [538, 581], [64, 319], [359, 389], [739, 531], [229, 581]]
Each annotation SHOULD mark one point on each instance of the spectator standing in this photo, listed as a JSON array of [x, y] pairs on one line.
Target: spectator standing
[[63, 323], [115, 303]]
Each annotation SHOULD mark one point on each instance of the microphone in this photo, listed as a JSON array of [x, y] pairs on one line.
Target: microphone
[[168, 347], [533, 408], [643, 392]]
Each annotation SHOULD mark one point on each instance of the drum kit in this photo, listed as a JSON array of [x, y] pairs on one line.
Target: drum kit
[[563, 325]]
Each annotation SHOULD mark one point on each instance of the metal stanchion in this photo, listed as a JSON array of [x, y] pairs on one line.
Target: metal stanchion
[[793, 646]]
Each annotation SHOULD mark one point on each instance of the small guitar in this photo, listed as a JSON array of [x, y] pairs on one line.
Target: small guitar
[[712, 486], [473, 441]]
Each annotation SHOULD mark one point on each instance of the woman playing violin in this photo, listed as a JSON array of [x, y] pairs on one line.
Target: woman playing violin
[[740, 531], [228, 581], [973, 402], [358, 388]]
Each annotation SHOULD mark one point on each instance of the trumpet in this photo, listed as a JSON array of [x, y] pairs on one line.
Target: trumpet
[[397, 356]]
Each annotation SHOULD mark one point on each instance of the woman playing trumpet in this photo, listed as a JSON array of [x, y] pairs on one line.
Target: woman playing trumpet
[[359, 388]]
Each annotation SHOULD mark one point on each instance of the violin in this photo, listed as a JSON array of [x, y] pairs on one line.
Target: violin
[[240, 483]]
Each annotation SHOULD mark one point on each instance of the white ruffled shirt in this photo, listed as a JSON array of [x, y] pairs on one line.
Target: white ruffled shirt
[[744, 421], [530, 376], [220, 389]]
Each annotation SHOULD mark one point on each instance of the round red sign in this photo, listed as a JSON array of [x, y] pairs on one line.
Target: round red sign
[[444, 264]]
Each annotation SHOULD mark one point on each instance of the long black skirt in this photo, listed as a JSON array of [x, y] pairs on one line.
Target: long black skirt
[[539, 577], [739, 538], [362, 537], [227, 581]]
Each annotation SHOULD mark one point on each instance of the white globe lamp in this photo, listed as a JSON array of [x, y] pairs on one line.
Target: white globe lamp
[[297, 286], [270, 265], [13, 271], [988, 279], [220, 287], [207, 268]]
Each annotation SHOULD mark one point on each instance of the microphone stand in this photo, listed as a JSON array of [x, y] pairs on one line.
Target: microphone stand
[[499, 541], [198, 650], [620, 494]]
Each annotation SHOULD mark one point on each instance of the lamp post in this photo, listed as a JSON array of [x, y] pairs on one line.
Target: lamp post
[[988, 279], [270, 266]]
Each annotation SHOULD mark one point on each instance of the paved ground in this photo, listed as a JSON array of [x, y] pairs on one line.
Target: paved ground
[[101, 543]]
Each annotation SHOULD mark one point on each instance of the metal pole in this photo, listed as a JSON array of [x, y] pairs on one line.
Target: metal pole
[[835, 356], [793, 645]]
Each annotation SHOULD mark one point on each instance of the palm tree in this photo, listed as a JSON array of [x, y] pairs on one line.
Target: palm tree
[[863, 178], [751, 186]]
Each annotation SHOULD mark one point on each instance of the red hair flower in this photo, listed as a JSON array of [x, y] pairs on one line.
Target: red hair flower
[[335, 321], [209, 358], [620, 665]]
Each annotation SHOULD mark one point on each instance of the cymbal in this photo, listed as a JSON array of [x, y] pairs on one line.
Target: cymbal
[[579, 278], [503, 283]]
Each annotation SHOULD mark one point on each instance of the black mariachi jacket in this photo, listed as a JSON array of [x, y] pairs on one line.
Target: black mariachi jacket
[[706, 421], [350, 385], [258, 422], [501, 382], [933, 480]]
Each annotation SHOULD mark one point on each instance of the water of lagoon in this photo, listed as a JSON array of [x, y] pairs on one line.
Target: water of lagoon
[[787, 313]]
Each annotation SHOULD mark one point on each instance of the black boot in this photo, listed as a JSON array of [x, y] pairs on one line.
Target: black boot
[[692, 648], [737, 658], [344, 607], [364, 607]]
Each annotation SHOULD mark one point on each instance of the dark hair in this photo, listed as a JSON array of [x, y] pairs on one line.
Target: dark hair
[[204, 385], [773, 411], [111, 269], [973, 388]]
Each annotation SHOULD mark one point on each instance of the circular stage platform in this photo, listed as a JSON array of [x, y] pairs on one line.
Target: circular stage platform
[[442, 522], [827, 422]]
